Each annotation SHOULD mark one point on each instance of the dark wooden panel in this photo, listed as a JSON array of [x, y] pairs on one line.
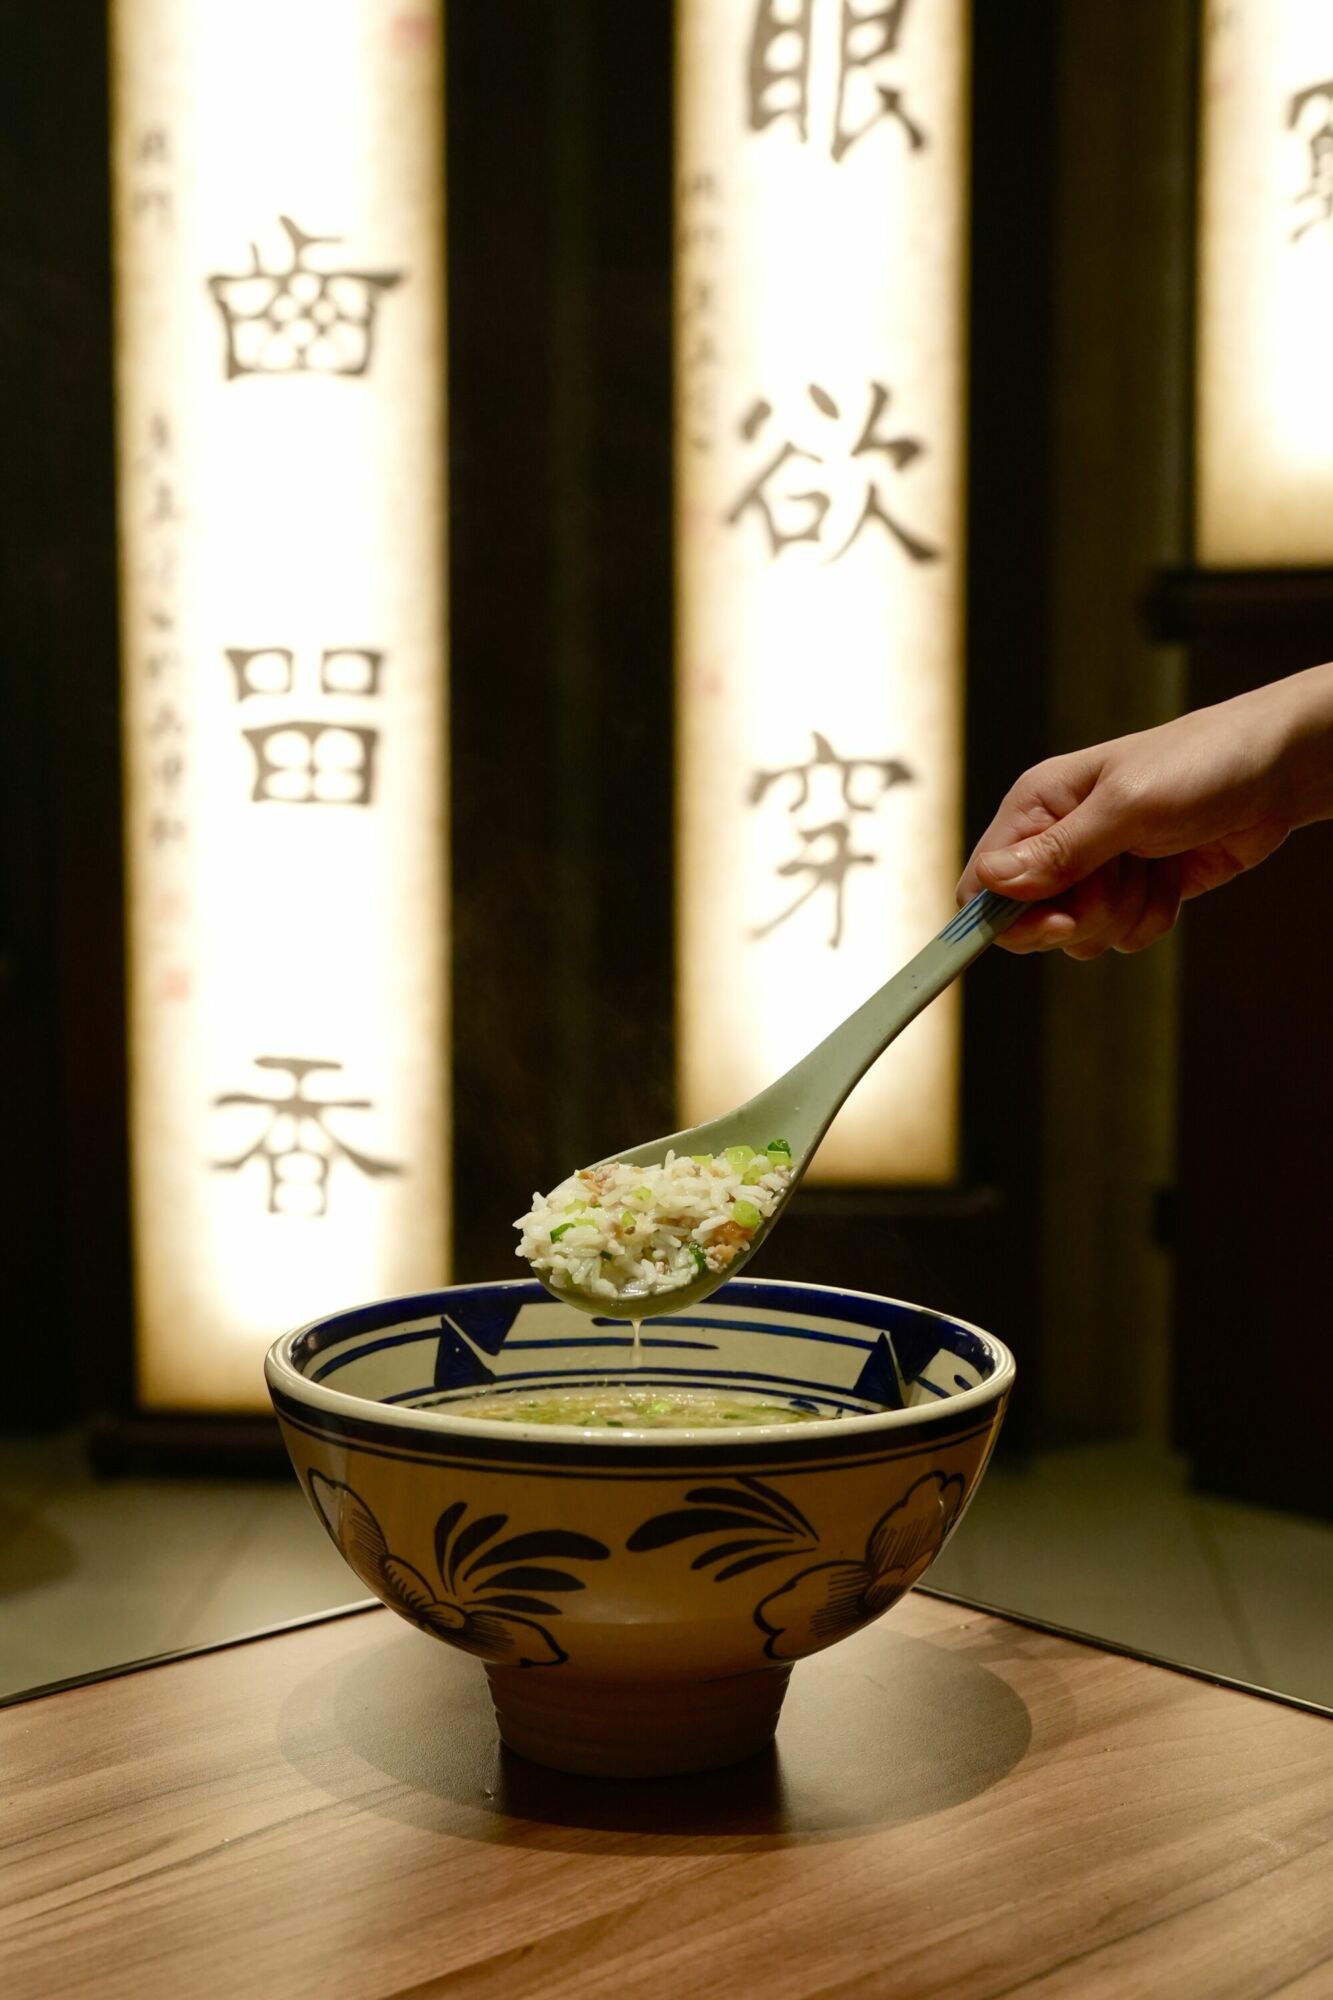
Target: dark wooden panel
[[63, 1235], [561, 627], [1253, 1383], [1291, 606]]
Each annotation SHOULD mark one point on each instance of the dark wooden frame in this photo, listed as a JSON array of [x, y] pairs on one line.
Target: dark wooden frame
[[63, 1199], [1252, 1392], [1252, 1387]]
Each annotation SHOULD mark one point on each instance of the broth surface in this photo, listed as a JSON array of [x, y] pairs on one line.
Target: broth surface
[[614, 1406]]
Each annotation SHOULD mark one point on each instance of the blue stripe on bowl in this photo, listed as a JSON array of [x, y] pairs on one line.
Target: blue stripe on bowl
[[741, 1326], [345, 1355], [627, 1339], [790, 1449], [912, 1338], [760, 1295]]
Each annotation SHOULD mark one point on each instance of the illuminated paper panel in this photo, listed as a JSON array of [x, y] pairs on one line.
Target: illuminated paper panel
[[1265, 410], [280, 362], [820, 272]]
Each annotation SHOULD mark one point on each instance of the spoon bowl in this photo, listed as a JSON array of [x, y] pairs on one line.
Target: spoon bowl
[[802, 1104]]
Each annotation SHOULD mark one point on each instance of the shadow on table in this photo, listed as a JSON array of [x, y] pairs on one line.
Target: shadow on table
[[882, 1731]]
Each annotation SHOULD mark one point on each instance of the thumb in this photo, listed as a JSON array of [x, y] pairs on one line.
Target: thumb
[[1060, 856]]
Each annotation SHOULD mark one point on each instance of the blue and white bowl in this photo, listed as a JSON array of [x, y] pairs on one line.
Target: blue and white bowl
[[639, 1597]]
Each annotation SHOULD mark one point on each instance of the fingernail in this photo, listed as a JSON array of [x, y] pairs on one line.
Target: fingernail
[[1005, 865]]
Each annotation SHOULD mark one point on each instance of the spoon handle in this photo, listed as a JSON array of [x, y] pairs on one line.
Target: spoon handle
[[819, 1084]]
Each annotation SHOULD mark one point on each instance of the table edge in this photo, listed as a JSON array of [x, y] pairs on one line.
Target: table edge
[[120, 1669], [1124, 1651]]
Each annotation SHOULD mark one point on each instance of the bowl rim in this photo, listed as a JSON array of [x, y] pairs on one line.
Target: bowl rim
[[282, 1374]]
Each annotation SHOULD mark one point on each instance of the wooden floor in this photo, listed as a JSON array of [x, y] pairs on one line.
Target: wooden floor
[[959, 1807]]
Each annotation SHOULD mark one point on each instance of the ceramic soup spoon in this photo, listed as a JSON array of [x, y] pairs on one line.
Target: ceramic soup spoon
[[803, 1104]]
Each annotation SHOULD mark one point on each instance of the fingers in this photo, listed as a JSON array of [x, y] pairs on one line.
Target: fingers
[[1062, 855], [1044, 930], [1042, 797], [1114, 913], [1161, 906], [1074, 921], [1124, 907]]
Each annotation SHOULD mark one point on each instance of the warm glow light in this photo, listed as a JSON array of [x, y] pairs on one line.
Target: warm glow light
[[1265, 416], [279, 250], [820, 407]]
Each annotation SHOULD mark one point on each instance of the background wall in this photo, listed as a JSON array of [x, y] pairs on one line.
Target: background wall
[[1120, 388], [559, 172]]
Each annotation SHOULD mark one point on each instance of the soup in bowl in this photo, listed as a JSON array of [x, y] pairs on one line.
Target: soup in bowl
[[639, 1531]]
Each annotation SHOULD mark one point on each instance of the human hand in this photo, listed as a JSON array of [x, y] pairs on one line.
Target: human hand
[[1111, 840]]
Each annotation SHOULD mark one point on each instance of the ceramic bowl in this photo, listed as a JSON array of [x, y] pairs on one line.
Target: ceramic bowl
[[639, 1598]]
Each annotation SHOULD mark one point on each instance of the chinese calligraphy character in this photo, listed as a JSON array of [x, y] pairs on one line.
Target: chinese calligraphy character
[[828, 871], [779, 68], [865, 38], [350, 670], [1310, 115], [150, 155], [296, 1145], [698, 239], [791, 513], [157, 572], [299, 320], [826, 856], [313, 763], [166, 721], [778, 72], [262, 670], [303, 761]]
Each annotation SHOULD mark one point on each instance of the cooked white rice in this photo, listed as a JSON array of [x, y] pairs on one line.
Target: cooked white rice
[[622, 1232]]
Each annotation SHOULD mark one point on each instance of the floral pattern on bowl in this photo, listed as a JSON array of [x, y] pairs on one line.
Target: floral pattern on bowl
[[827, 1601], [492, 1618], [758, 1525]]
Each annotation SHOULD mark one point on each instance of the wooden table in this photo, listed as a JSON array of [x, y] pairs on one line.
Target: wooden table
[[961, 1806]]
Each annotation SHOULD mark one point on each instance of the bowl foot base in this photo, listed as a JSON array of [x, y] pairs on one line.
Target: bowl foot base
[[635, 1729]]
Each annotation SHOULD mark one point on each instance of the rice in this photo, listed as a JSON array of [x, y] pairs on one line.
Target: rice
[[620, 1231]]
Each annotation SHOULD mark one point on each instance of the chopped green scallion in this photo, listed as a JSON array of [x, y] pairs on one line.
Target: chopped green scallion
[[745, 1215]]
